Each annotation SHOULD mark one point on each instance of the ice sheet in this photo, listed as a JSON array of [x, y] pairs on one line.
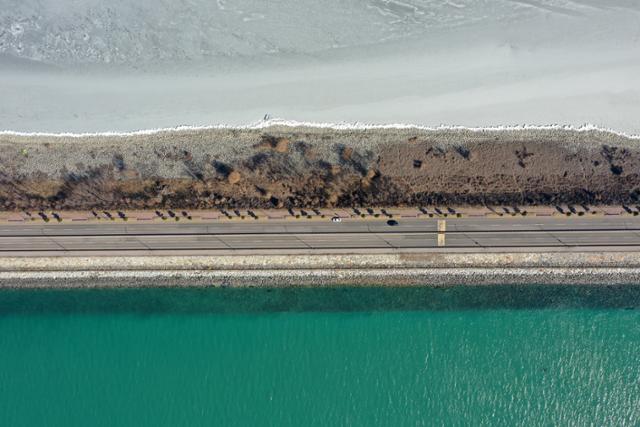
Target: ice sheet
[[92, 66]]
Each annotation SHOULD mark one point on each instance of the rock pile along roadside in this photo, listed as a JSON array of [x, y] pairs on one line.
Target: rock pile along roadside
[[298, 167]]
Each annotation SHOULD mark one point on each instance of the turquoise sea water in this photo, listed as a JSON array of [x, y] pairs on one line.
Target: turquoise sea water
[[362, 357]]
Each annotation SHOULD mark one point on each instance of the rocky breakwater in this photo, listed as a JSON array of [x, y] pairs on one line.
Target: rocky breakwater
[[434, 269]]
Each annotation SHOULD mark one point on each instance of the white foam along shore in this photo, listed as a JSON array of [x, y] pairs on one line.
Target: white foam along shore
[[264, 124]]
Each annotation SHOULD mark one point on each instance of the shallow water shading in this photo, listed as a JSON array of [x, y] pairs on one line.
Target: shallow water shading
[[366, 356], [334, 299]]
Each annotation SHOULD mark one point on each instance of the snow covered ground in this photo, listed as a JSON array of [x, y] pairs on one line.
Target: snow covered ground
[[121, 65]]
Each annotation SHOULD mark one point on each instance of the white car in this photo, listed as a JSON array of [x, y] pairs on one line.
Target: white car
[[336, 219]]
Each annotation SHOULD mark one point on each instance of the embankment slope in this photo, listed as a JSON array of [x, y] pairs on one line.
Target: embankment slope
[[283, 166]]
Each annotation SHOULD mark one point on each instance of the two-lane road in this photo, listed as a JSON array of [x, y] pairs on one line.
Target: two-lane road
[[466, 234]]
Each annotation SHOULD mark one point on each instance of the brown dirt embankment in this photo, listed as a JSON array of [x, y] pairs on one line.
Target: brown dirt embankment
[[312, 167]]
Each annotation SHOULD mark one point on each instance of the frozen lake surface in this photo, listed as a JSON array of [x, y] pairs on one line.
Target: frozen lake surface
[[93, 66]]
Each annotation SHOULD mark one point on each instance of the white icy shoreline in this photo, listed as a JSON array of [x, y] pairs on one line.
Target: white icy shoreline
[[263, 124]]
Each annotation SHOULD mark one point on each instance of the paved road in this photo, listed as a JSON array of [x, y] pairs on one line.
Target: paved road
[[507, 233]]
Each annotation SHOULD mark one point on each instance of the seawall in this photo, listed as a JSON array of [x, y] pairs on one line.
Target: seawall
[[428, 269]]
